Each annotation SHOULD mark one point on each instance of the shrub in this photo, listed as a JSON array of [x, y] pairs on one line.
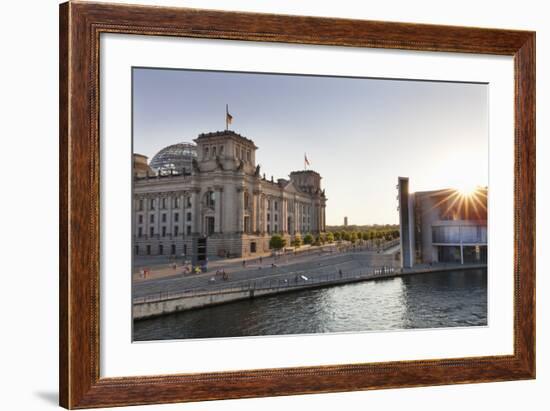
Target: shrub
[[277, 242], [297, 242]]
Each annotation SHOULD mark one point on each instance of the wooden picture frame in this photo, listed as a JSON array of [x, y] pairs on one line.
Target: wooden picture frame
[[80, 27]]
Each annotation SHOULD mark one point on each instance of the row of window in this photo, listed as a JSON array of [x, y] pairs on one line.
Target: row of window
[[148, 250], [305, 229], [163, 218], [164, 231], [243, 154], [210, 202], [152, 203], [212, 151]]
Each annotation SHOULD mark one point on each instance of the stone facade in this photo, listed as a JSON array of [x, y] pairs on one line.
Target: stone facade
[[225, 199]]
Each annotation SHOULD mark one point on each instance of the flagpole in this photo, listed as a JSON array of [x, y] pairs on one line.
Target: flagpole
[[226, 117]]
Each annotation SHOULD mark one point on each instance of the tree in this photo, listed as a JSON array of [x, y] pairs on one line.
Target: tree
[[336, 236], [345, 236], [308, 239], [365, 235], [277, 242], [323, 238], [330, 237], [297, 242], [353, 237]]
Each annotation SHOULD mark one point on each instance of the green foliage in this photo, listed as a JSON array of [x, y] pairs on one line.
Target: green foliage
[[297, 242], [330, 237], [308, 239], [376, 233], [277, 242]]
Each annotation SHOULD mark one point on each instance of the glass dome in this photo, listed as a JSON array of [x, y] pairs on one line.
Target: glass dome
[[175, 158]]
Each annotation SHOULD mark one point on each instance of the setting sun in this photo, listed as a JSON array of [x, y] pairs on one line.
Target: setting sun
[[466, 190]]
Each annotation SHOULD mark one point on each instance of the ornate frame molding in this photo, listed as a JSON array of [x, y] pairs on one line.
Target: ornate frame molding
[[81, 25]]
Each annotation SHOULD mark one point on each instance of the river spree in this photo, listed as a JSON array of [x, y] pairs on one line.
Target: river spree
[[444, 299]]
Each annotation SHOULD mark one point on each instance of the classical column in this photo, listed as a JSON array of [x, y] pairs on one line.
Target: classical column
[[283, 215], [195, 213], [298, 218], [181, 211], [254, 217], [218, 209], [240, 211], [158, 201], [319, 217], [266, 211], [261, 213], [146, 200], [169, 214]]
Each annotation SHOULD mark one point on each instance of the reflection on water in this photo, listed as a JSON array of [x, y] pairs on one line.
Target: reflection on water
[[446, 299]]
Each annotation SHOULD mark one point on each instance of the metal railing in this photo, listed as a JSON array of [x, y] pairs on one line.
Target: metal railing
[[299, 280]]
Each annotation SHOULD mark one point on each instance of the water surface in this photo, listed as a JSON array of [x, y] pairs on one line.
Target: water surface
[[445, 299]]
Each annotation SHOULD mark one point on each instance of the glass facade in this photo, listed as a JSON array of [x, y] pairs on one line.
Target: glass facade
[[456, 234]]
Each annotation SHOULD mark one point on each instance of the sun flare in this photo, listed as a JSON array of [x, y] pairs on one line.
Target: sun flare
[[467, 190]]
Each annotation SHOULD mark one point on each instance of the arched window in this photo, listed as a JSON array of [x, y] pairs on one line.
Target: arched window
[[209, 199]]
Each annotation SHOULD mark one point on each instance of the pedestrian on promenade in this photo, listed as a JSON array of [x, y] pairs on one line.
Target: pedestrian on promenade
[[244, 263], [260, 259], [340, 272]]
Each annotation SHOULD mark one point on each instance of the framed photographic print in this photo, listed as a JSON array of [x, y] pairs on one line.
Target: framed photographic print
[[258, 205]]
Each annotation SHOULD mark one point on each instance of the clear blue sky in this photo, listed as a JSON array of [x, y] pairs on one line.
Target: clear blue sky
[[359, 134]]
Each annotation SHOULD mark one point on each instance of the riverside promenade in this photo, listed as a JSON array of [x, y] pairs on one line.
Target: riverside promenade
[[320, 267]]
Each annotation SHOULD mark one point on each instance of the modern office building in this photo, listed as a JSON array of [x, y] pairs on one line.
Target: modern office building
[[214, 190], [442, 226]]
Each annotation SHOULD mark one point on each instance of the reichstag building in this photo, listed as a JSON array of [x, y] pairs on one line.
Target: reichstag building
[[214, 190]]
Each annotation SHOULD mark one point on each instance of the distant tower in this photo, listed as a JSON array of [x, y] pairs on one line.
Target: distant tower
[[345, 221]]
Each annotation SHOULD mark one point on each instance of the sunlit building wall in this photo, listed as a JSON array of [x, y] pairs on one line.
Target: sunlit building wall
[[442, 226]]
